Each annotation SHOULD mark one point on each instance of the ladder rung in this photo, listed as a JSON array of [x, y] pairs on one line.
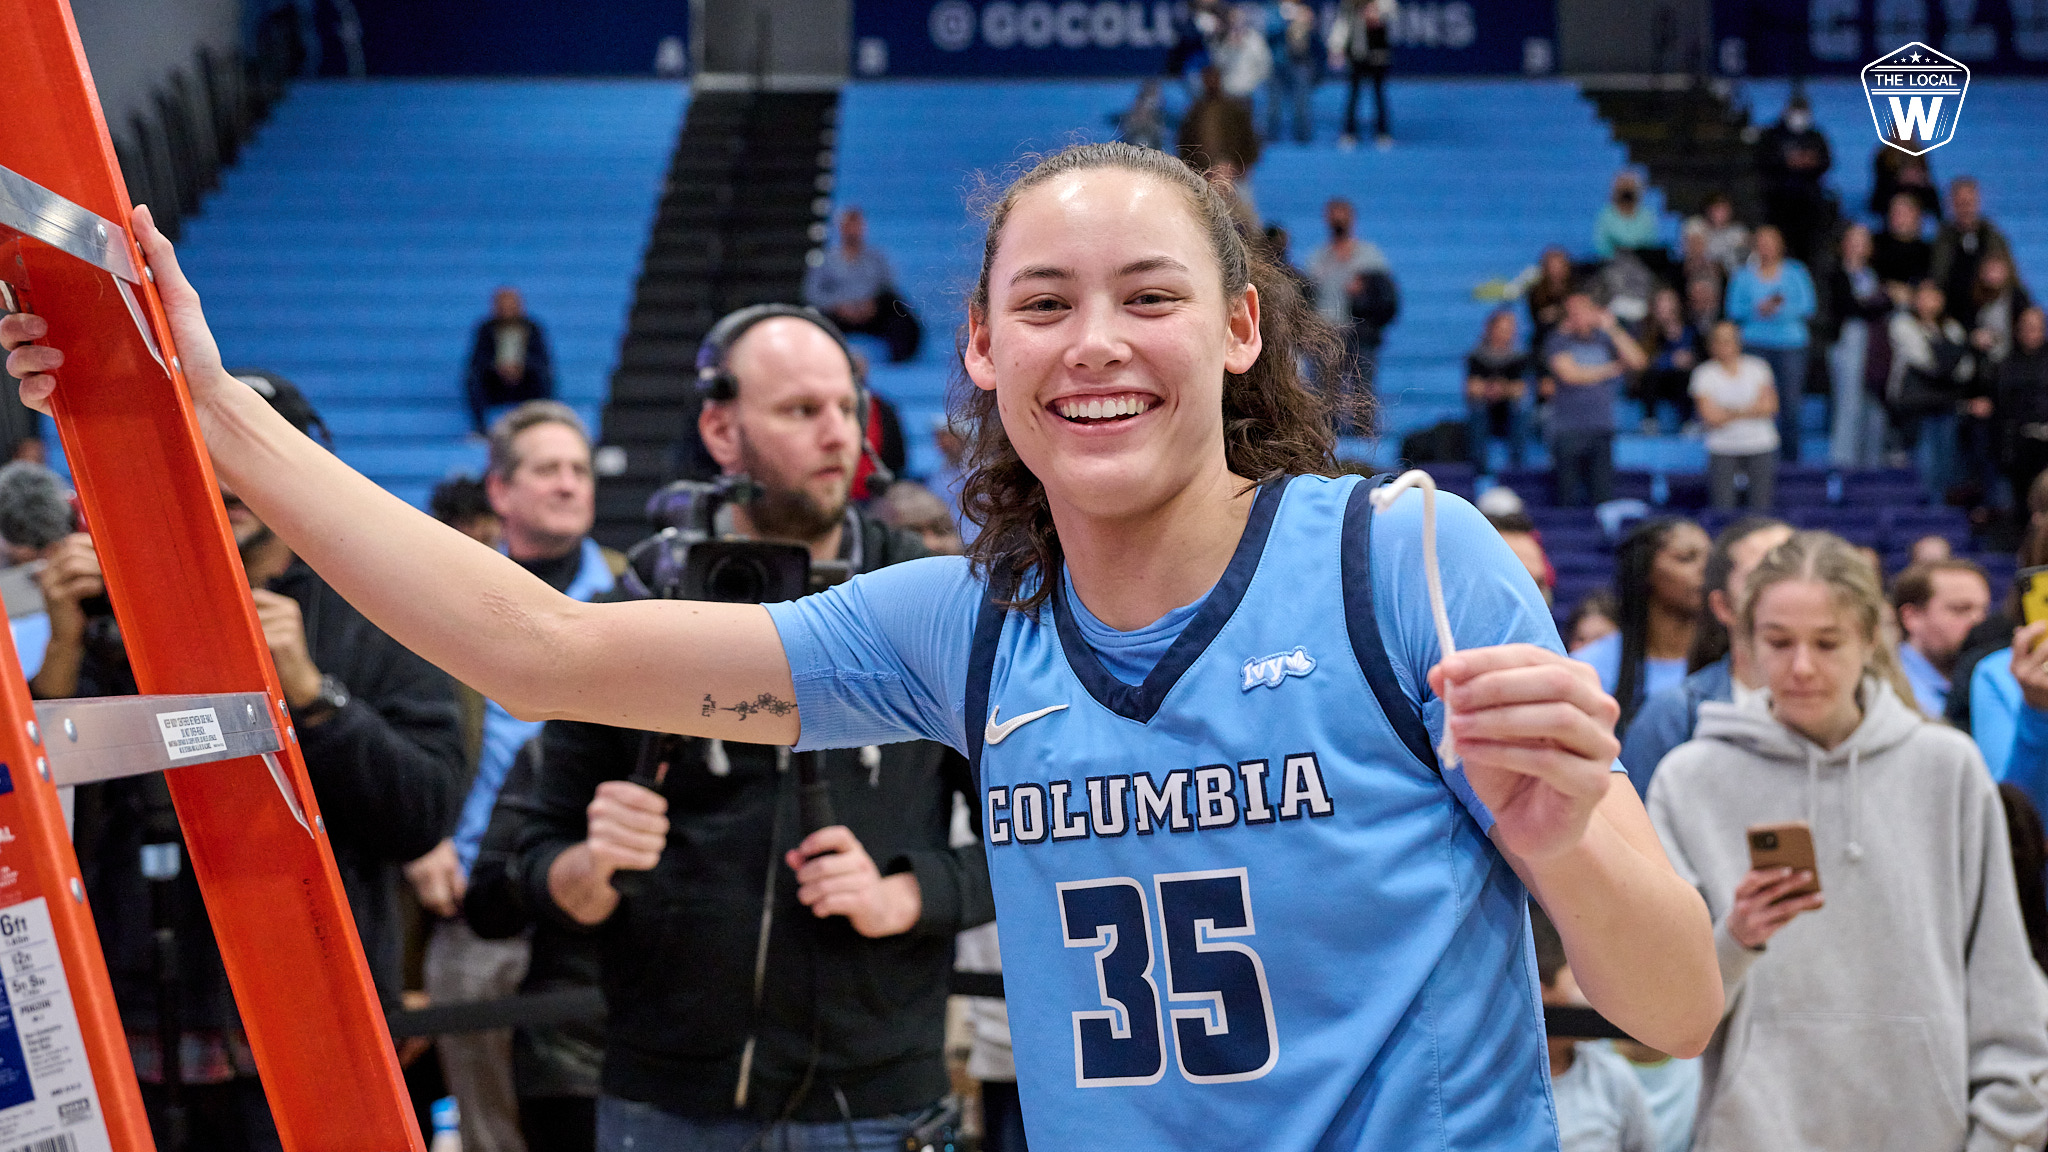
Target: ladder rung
[[107, 737]]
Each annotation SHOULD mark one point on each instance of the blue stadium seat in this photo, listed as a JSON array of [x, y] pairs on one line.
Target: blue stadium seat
[[357, 241]]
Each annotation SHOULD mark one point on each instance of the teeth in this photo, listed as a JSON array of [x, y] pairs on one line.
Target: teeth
[[1104, 409]]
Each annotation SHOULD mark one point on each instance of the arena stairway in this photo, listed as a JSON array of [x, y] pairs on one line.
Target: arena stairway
[[1483, 175], [357, 241], [741, 209]]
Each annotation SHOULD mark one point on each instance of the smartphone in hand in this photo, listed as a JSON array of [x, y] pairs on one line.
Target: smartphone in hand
[[1785, 845]]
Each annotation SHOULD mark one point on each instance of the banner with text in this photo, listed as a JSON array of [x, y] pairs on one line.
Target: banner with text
[[1817, 37], [1132, 37]]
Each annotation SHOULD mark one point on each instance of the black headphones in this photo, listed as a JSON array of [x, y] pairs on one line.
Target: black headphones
[[715, 381]]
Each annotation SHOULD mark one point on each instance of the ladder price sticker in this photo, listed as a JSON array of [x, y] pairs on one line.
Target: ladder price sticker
[[48, 1101], [193, 733]]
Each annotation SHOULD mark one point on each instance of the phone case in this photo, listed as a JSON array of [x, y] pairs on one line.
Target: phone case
[[2033, 589], [1785, 845]]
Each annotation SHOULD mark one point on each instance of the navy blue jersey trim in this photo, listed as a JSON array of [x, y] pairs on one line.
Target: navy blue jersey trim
[[1141, 702], [981, 667], [1363, 624]]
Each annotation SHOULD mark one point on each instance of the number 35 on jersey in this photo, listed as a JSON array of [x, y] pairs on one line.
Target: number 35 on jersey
[[1218, 1009]]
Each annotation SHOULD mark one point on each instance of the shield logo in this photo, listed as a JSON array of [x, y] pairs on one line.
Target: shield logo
[[1916, 97]]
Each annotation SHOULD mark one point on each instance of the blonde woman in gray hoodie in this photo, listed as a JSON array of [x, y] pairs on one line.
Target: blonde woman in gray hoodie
[[1899, 1007]]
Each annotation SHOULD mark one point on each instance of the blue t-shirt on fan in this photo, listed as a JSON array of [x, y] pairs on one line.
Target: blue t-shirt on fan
[[1240, 906], [1583, 407]]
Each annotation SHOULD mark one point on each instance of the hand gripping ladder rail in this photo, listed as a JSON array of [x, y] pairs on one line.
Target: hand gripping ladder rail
[[217, 717]]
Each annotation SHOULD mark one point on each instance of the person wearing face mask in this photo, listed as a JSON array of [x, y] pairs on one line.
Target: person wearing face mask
[[1911, 960], [1792, 157], [1624, 221], [1197, 674]]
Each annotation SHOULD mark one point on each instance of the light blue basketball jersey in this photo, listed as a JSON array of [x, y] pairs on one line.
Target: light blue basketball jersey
[[1241, 908]]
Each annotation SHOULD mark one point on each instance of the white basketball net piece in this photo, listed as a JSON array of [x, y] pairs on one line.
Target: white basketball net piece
[[1383, 498]]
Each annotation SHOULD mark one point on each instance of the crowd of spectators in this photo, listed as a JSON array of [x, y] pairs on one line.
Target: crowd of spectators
[[1929, 342]]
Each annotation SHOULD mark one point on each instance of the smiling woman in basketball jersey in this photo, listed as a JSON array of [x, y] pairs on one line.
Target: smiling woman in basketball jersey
[[1241, 902]]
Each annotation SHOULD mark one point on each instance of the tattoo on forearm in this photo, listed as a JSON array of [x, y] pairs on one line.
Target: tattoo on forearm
[[767, 702]]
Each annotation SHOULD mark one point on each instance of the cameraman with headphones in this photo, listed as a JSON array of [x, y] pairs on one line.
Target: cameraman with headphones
[[766, 981]]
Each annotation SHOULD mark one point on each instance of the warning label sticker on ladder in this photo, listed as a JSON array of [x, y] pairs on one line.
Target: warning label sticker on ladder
[[193, 733], [47, 1099]]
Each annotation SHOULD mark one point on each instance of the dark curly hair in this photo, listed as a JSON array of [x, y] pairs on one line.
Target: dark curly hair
[[1274, 423]]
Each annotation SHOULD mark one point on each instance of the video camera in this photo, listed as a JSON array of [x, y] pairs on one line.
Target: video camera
[[693, 554]]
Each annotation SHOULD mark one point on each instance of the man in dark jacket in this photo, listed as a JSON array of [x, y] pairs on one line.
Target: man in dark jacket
[[759, 976], [1792, 156], [2020, 404], [378, 728], [508, 360]]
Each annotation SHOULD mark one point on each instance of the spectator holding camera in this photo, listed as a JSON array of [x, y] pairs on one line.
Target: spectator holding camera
[[1911, 956], [54, 562], [378, 728], [816, 1011]]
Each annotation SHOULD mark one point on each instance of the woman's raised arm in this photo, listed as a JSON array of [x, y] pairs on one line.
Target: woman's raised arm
[[700, 669]]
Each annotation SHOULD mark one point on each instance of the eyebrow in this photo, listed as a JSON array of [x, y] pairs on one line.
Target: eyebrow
[[1134, 268]]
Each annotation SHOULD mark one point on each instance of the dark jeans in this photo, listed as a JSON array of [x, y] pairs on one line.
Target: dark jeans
[[1002, 1117], [1667, 386], [894, 322], [1361, 70], [1762, 471], [1934, 452], [1583, 464], [1292, 83], [1788, 371], [2029, 459], [1977, 462], [1507, 419], [230, 1117], [558, 1123]]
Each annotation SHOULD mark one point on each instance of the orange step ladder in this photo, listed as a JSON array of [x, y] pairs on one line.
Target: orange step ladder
[[214, 713]]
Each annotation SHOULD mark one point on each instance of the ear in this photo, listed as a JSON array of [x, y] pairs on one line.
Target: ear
[[1717, 603], [718, 424], [1245, 341], [981, 365], [494, 492]]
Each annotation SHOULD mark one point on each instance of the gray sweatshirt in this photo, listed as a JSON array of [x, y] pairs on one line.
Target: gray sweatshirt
[[1905, 1014]]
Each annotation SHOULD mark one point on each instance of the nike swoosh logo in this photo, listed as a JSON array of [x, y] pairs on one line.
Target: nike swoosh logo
[[996, 733]]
